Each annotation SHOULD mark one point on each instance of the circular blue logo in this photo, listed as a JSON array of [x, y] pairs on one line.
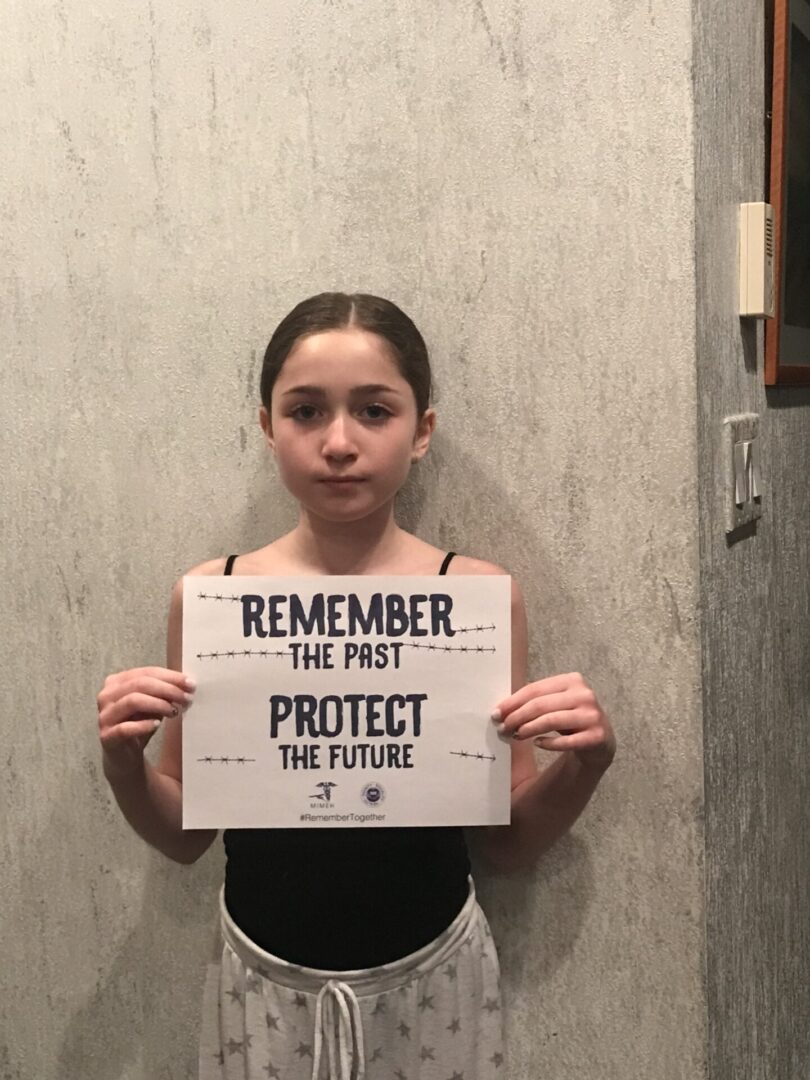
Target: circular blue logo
[[373, 794]]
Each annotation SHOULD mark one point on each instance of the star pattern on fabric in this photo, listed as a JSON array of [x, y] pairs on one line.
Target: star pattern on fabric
[[404, 1030], [400, 1075], [304, 1050], [497, 1059], [272, 1021], [457, 1076], [376, 1055], [272, 1072], [426, 1053], [380, 1007], [454, 1025], [253, 984], [426, 1002], [300, 1001], [234, 994], [491, 1005], [235, 1047], [450, 972]]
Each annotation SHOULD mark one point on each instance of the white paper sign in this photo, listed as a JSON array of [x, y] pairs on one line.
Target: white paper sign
[[345, 701]]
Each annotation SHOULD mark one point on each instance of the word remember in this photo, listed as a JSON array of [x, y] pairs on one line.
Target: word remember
[[338, 615]]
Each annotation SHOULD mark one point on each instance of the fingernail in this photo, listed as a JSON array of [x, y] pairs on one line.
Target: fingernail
[[155, 724], [190, 683], [188, 698], [516, 734], [501, 729], [495, 715]]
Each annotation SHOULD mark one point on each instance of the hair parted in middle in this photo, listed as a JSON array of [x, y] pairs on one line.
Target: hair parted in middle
[[339, 311]]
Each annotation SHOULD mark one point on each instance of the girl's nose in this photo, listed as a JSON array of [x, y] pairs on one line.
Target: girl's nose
[[338, 442]]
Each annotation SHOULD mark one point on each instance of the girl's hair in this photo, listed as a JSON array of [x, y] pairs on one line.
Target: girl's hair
[[336, 311]]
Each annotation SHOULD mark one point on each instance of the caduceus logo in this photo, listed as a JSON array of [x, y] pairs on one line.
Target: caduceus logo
[[325, 794]]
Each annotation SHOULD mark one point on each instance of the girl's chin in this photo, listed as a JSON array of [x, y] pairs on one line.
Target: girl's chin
[[346, 510]]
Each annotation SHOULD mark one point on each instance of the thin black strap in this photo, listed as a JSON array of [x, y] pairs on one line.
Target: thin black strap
[[229, 564], [446, 562]]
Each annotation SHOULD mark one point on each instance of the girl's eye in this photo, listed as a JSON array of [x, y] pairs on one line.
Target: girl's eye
[[303, 412], [376, 412]]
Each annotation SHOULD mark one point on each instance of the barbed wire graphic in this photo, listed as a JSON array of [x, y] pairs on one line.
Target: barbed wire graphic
[[232, 654], [469, 754], [450, 648], [235, 654], [211, 760]]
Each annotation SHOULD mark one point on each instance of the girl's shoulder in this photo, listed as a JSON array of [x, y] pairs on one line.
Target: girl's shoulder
[[210, 568], [467, 564], [263, 561], [256, 563], [424, 558]]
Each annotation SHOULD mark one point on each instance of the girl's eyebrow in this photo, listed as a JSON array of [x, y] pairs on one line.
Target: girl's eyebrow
[[318, 391]]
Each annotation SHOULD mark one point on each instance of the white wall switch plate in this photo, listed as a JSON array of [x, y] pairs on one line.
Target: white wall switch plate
[[742, 480]]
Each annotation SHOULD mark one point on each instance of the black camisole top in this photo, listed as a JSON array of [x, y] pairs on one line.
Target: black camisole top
[[345, 898]]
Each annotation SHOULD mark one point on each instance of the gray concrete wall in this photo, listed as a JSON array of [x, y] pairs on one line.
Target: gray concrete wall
[[755, 597], [521, 180]]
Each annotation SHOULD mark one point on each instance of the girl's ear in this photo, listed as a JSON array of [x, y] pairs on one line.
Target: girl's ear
[[424, 429], [267, 428]]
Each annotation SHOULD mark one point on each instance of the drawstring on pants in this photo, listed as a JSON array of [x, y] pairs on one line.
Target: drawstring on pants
[[338, 1022]]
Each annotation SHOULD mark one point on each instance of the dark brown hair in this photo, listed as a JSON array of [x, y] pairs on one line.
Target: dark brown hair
[[336, 311]]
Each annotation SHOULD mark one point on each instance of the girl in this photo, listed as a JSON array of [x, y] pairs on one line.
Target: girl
[[353, 953]]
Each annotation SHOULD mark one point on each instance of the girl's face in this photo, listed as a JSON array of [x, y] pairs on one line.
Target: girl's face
[[343, 424]]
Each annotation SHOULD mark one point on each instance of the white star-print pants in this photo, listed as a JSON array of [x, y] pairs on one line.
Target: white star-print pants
[[433, 1015]]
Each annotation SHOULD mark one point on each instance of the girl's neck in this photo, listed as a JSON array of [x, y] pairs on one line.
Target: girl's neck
[[352, 547]]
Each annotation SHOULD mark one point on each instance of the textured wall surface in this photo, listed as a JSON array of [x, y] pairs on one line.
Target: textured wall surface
[[520, 178], [755, 605]]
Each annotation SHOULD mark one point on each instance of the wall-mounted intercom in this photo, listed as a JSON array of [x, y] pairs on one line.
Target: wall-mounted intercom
[[756, 260]]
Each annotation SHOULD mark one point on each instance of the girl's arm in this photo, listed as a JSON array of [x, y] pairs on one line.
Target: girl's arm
[[131, 707], [546, 804]]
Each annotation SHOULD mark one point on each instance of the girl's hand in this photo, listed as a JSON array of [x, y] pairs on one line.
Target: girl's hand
[[564, 704], [131, 705]]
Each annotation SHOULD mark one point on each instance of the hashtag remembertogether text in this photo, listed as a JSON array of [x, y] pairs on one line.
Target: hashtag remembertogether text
[[342, 817]]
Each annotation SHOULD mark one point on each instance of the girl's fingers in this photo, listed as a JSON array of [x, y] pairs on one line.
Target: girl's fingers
[[555, 684], [553, 742], [577, 740], [158, 688], [136, 707], [537, 707], [113, 683], [559, 722], [166, 674], [129, 730]]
